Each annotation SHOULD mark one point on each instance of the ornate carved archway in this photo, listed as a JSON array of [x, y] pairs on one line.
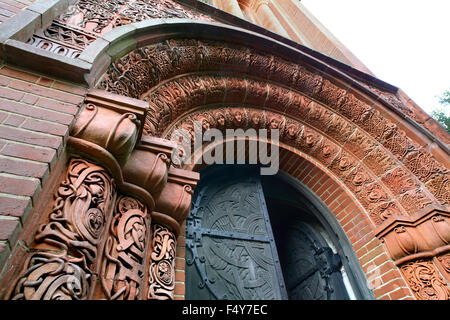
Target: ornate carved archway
[[393, 171]]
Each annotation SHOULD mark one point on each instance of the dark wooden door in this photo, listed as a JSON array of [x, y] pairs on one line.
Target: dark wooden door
[[311, 269], [230, 249]]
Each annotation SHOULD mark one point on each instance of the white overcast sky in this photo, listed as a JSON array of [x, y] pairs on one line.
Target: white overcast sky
[[403, 42]]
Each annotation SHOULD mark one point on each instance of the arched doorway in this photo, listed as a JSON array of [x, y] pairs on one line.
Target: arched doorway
[[256, 237]]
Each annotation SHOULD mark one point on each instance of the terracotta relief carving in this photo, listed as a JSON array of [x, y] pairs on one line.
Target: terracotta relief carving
[[423, 165], [175, 198], [372, 195], [148, 164], [414, 200], [343, 164], [62, 39], [399, 181], [101, 16], [360, 144], [385, 211], [440, 187], [125, 249], [162, 267], [76, 225], [357, 179], [380, 161], [211, 54], [424, 234], [443, 264], [330, 94], [52, 277], [110, 122], [425, 281]]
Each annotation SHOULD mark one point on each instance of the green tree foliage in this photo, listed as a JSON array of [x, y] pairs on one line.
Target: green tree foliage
[[440, 115]]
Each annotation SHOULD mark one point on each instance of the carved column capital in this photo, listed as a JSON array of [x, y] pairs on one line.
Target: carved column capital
[[148, 164], [110, 122], [174, 202], [422, 235]]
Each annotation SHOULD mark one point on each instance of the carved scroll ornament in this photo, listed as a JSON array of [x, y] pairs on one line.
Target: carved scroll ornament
[[162, 267], [425, 281], [125, 250], [75, 228]]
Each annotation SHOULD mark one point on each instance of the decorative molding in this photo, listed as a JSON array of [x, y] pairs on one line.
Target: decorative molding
[[175, 199], [422, 235], [125, 250], [425, 281], [149, 163], [162, 267], [74, 231], [111, 122]]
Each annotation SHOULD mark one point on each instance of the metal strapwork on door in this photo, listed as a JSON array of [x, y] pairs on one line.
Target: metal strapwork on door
[[231, 251]]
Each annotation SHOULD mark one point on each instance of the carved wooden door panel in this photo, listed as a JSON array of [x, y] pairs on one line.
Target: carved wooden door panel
[[311, 269], [231, 252]]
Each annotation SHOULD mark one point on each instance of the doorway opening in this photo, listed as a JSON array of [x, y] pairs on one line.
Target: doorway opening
[[252, 237]]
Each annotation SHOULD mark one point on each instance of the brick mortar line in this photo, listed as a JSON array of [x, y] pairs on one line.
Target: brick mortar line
[[39, 107], [12, 218], [381, 275], [24, 160], [357, 216], [15, 176], [368, 262], [27, 130], [390, 281], [35, 119], [13, 196], [369, 252], [27, 144], [43, 87]]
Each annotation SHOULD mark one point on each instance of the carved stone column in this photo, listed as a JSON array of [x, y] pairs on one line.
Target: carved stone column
[[420, 246], [171, 210], [67, 246], [123, 261]]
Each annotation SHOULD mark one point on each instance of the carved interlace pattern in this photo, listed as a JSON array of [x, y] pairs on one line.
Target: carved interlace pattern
[[75, 227], [425, 281], [125, 249], [162, 267], [103, 15], [376, 142], [86, 20], [62, 39]]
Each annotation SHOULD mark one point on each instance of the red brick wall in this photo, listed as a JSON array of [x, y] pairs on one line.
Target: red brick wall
[[383, 276], [36, 114]]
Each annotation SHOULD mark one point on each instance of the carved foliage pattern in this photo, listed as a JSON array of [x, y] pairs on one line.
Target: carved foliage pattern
[[162, 267], [425, 281], [125, 249]]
